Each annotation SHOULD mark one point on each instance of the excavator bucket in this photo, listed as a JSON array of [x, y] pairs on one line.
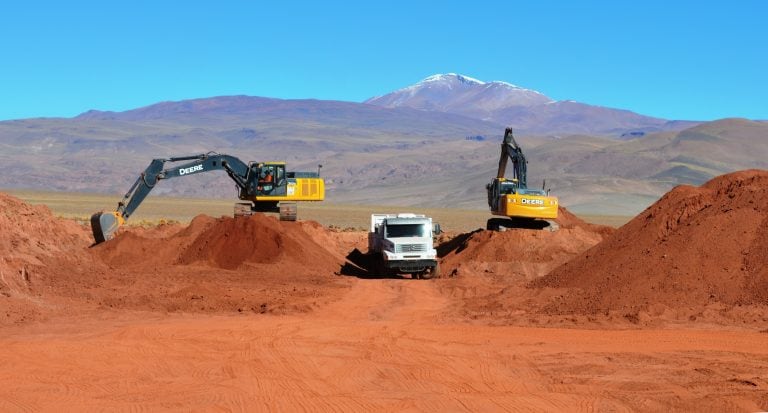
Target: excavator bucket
[[104, 225]]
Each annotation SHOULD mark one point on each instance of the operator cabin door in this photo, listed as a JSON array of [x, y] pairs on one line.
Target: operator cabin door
[[276, 184], [280, 182]]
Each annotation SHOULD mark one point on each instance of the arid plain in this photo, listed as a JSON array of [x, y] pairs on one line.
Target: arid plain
[[254, 314]]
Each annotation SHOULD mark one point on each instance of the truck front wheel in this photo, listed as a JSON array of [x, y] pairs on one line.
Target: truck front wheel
[[431, 272]]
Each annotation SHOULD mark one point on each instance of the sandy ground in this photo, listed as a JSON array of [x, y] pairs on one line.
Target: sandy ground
[[382, 347], [254, 314]]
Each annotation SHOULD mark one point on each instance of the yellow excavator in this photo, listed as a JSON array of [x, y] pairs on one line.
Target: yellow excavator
[[267, 186], [511, 198]]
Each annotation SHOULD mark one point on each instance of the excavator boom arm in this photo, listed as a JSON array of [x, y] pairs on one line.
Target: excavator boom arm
[[235, 168], [510, 150], [105, 224]]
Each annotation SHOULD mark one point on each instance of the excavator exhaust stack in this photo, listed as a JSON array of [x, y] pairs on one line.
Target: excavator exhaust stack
[[104, 225]]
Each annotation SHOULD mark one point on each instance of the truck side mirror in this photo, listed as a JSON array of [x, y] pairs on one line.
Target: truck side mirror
[[436, 229]]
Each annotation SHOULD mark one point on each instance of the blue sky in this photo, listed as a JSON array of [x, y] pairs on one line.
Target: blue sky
[[677, 60]]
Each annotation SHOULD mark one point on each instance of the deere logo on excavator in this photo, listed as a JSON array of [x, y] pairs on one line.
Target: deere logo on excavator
[[532, 201], [184, 171]]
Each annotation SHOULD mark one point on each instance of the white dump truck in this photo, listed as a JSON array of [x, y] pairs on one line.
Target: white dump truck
[[403, 243]]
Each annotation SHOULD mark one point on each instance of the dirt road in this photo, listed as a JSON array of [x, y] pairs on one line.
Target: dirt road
[[382, 347]]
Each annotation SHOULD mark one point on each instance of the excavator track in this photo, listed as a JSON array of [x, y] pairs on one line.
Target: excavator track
[[503, 224]]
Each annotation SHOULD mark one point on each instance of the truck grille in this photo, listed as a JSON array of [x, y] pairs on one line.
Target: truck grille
[[411, 248]]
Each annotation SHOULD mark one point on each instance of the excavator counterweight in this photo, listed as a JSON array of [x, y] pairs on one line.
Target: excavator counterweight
[[266, 185]]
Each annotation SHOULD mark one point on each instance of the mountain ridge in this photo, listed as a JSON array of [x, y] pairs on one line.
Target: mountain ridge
[[527, 110], [373, 154]]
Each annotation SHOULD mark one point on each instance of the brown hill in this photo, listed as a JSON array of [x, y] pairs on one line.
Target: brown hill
[[370, 154], [696, 246]]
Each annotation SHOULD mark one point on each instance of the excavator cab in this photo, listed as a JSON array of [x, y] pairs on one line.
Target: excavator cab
[[507, 187], [271, 180]]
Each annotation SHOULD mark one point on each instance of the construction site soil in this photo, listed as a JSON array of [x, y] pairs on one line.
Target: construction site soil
[[700, 252], [252, 313]]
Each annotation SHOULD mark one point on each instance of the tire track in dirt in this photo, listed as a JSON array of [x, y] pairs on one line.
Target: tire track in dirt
[[381, 345], [391, 300], [317, 363]]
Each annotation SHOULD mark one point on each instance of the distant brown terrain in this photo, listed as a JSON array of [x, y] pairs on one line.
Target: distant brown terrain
[[372, 155], [431, 144]]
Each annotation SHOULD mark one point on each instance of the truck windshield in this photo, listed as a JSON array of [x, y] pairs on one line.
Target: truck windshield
[[406, 230]]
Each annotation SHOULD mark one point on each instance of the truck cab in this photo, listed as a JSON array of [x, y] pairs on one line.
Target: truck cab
[[403, 243]]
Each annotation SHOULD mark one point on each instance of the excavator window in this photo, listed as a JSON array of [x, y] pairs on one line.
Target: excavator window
[[507, 188], [538, 192], [270, 177], [266, 179]]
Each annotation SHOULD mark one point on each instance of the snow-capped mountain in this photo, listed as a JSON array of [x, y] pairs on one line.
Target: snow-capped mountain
[[453, 92], [524, 109]]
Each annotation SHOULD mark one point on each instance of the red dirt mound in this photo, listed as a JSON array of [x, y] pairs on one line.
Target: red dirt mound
[[154, 247], [28, 232], [694, 247], [226, 243], [257, 264], [488, 271], [339, 241], [224, 265], [528, 253], [232, 242], [29, 237], [566, 219]]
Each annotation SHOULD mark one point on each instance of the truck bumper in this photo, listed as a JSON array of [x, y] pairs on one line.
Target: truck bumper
[[410, 266]]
